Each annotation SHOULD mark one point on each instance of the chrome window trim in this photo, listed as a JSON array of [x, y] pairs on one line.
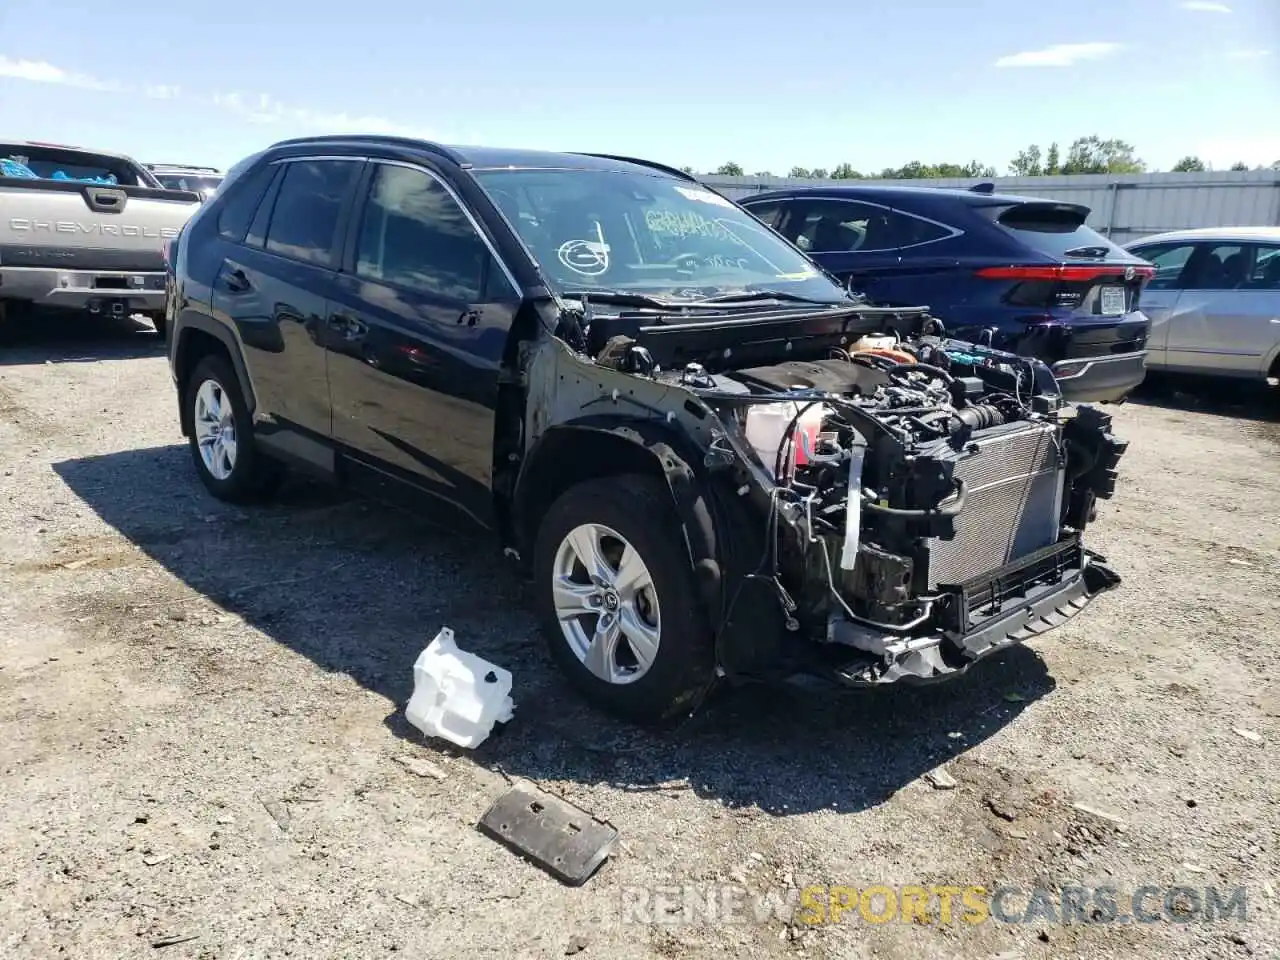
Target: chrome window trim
[[952, 232], [466, 212], [448, 188]]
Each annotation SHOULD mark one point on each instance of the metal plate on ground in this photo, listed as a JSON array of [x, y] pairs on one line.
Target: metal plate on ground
[[562, 839]]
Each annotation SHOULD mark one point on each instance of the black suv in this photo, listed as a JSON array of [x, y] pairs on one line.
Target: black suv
[[664, 409]]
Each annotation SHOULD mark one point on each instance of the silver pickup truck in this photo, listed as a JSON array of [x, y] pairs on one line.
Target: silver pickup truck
[[84, 230]]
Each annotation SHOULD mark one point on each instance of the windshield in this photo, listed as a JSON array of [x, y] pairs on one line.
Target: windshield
[[646, 234], [194, 182]]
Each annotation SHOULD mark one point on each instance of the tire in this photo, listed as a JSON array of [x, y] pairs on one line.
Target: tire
[[246, 475], [637, 511]]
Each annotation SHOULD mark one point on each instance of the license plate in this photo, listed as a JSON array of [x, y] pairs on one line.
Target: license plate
[[1113, 301]]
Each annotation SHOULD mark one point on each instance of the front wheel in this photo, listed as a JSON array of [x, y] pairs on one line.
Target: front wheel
[[221, 441], [617, 600]]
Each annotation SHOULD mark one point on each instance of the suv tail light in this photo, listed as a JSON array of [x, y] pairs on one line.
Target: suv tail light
[[1063, 272]]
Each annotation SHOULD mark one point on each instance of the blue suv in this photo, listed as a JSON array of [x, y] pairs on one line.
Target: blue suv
[[1016, 273]]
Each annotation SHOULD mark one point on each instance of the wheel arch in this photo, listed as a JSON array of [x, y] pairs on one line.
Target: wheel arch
[[199, 336], [593, 448]]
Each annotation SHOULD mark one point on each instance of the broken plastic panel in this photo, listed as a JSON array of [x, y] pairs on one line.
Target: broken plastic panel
[[457, 695], [562, 839]]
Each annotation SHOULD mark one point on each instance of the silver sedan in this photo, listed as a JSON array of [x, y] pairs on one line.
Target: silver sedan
[[1214, 303]]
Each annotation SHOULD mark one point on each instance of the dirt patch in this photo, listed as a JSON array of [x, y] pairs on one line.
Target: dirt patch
[[203, 736]]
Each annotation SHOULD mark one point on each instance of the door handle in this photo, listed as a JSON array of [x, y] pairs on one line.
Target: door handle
[[470, 316], [236, 281]]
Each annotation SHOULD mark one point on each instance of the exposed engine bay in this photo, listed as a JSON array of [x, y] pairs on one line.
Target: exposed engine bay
[[921, 499]]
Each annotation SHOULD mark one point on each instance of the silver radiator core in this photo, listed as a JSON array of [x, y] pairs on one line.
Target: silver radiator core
[[1012, 503]]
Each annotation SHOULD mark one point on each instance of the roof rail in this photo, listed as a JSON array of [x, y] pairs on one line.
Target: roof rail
[[652, 164], [416, 144]]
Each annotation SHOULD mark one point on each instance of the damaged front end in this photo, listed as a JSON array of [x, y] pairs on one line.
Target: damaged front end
[[884, 504]]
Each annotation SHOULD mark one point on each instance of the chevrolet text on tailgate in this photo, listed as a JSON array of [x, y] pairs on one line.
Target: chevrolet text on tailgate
[[82, 230], [712, 459]]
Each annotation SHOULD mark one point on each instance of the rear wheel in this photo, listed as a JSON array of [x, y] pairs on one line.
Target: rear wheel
[[221, 441], [616, 596]]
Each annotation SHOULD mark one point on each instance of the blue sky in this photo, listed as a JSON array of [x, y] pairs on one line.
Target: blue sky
[[682, 82]]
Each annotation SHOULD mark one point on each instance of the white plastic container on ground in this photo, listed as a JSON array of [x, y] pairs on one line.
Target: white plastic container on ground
[[457, 695]]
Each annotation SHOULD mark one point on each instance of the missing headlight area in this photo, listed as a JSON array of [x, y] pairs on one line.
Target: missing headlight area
[[861, 495]]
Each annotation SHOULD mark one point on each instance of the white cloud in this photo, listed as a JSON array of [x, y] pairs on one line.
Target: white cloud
[[1247, 54], [1204, 6], [1060, 55], [38, 71], [263, 108], [259, 108]]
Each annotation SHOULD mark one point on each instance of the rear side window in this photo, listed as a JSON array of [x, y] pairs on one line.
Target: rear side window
[[304, 221], [850, 226], [414, 235], [1170, 260], [1056, 230], [240, 203]]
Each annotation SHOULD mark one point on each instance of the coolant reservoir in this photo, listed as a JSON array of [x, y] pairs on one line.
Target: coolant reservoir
[[875, 341], [457, 695]]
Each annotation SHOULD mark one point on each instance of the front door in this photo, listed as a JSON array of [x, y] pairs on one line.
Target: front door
[[417, 327]]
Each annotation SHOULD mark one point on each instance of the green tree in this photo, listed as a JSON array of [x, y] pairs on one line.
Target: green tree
[[1241, 166], [804, 172], [1189, 164], [729, 170], [819, 173], [1027, 162], [1095, 155], [845, 171], [1052, 161], [688, 170], [762, 173]]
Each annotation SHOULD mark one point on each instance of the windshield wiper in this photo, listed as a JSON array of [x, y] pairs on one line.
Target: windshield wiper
[[624, 298], [751, 295]]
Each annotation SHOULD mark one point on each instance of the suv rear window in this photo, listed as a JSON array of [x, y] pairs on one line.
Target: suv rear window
[[304, 223], [240, 201], [1057, 230]]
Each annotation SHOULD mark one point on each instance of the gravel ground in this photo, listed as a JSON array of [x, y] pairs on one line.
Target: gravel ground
[[201, 713]]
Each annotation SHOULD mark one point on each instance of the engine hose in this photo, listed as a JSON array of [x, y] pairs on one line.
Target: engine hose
[[978, 417], [949, 510], [925, 368]]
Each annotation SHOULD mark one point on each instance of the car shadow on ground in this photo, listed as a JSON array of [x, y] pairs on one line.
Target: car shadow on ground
[[65, 337], [1228, 398], [357, 589]]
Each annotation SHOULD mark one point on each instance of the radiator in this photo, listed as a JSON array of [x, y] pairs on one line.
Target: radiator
[[1012, 504]]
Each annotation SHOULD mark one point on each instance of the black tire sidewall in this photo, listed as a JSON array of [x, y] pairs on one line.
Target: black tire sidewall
[[245, 481], [640, 509]]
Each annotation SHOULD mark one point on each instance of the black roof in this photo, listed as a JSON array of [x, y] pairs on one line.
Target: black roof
[[492, 158]]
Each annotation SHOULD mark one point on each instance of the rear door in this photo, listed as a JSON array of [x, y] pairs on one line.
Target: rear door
[[417, 329], [855, 241], [1227, 317], [1159, 299], [273, 287]]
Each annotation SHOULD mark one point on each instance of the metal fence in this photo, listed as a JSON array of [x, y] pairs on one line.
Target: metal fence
[[1123, 207]]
